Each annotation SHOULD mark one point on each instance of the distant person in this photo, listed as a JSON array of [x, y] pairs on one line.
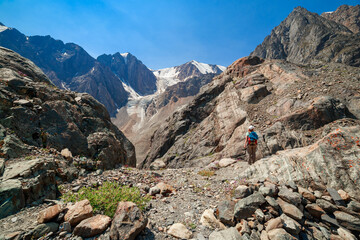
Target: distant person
[[251, 144]]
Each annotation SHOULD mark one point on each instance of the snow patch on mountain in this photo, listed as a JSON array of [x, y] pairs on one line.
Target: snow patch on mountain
[[3, 28], [125, 55]]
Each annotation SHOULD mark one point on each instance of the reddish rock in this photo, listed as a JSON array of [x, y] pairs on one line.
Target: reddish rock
[[315, 210], [49, 213], [92, 226], [165, 188], [273, 224], [290, 210], [78, 212], [344, 195], [307, 194], [128, 222]]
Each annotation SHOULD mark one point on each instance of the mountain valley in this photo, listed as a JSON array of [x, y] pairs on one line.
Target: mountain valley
[[74, 129]]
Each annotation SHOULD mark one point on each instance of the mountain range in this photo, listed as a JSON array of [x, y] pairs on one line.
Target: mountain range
[[111, 79], [300, 88]]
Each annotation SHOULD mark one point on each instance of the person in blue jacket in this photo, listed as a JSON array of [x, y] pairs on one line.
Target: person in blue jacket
[[251, 144]]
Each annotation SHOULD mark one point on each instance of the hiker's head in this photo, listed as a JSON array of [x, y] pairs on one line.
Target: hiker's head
[[251, 128]]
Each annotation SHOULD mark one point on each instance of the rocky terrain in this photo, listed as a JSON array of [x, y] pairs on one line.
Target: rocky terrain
[[38, 118], [347, 16], [304, 184], [305, 37], [176, 87]]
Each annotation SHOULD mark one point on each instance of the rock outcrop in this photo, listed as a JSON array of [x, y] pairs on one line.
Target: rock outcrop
[[41, 115], [305, 37], [346, 15], [294, 105]]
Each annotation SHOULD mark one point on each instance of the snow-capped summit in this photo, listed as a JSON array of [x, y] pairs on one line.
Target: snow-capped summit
[[170, 76]]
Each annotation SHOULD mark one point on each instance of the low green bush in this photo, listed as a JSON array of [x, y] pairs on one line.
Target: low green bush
[[105, 198]]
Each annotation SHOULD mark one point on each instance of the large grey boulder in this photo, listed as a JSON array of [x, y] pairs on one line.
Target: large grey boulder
[[11, 197], [227, 234], [247, 206]]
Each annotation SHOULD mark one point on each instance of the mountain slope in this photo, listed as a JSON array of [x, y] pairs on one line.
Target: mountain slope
[[346, 15], [176, 87], [39, 114], [170, 76], [305, 37], [68, 66], [131, 71], [288, 105]]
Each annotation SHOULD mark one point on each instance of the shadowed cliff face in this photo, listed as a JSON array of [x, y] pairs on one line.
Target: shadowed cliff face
[[68, 66], [305, 37], [131, 71], [41, 115]]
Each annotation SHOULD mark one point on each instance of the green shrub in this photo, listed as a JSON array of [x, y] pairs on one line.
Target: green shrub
[[105, 198]]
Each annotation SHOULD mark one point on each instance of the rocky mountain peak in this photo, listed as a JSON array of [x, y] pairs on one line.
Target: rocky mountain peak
[[305, 37], [131, 71], [346, 15]]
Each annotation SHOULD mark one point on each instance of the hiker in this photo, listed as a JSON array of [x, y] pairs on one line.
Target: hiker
[[251, 144]]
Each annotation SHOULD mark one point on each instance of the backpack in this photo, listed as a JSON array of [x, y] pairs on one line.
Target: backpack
[[252, 138]]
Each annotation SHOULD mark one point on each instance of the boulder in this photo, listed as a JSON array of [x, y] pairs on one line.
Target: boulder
[[326, 205], [178, 230], [224, 162], [289, 196], [339, 201], [209, 220], [290, 225], [228, 234], [354, 206], [254, 94], [274, 223], [348, 221], [242, 191], [307, 194], [12, 197], [290, 210], [66, 153], [344, 195], [43, 229], [315, 210], [49, 213], [165, 189], [78, 212], [128, 222], [345, 234], [279, 234], [245, 207], [157, 164], [225, 212], [92, 226]]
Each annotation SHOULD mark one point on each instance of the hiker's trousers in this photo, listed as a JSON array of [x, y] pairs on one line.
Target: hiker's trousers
[[252, 153]]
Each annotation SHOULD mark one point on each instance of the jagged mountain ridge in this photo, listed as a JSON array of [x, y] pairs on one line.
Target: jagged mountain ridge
[[346, 15], [131, 71], [305, 37], [170, 76]]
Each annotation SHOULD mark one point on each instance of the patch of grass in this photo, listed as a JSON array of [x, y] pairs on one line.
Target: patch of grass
[[28, 157], [105, 198], [206, 173]]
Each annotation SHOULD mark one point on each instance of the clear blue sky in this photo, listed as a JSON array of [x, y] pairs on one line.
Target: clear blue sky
[[161, 33]]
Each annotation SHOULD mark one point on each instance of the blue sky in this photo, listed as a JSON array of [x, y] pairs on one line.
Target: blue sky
[[161, 33]]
